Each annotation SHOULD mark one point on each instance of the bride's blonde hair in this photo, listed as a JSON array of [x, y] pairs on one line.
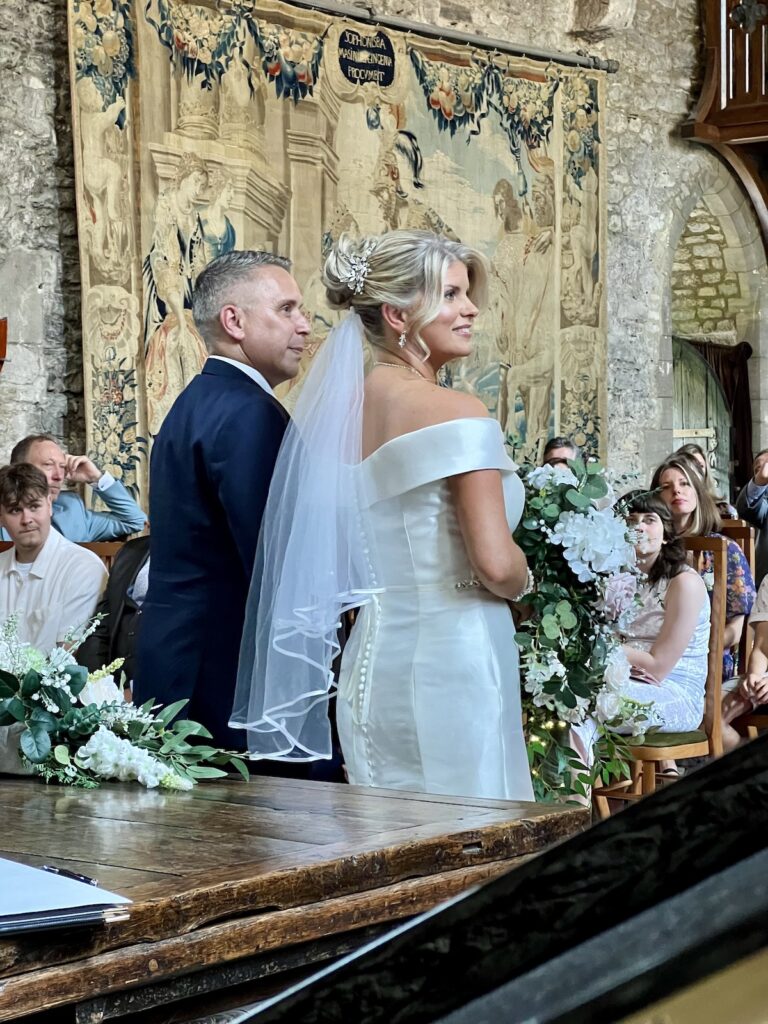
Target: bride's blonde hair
[[405, 269]]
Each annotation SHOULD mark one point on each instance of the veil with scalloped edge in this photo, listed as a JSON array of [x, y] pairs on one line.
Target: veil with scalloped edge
[[312, 563]]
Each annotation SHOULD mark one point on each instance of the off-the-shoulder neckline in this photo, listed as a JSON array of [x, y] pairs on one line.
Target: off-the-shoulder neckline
[[432, 426]]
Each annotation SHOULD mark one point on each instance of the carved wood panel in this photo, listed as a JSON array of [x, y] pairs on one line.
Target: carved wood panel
[[732, 113]]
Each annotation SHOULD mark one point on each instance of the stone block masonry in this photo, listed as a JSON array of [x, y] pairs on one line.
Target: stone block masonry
[[655, 181]]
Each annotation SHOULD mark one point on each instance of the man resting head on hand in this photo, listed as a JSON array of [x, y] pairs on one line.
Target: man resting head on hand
[[71, 517]]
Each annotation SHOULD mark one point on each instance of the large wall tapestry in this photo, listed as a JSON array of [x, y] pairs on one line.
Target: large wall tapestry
[[202, 127]]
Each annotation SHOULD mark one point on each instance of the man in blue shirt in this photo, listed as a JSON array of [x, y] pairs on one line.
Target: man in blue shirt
[[70, 516], [752, 505]]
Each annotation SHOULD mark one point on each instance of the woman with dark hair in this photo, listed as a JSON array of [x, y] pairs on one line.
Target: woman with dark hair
[[695, 515], [667, 641], [697, 453]]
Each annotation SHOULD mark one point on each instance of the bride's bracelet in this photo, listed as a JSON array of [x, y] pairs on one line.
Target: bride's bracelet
[[529, 586]]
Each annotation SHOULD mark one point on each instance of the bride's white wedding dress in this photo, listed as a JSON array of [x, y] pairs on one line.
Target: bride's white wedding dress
[[429, 691]]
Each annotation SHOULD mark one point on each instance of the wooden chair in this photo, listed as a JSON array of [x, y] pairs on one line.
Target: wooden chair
[[707, 739], [106, 550], [744, 535]]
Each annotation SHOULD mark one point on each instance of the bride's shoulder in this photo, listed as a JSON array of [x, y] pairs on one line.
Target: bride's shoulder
[[445, 405]]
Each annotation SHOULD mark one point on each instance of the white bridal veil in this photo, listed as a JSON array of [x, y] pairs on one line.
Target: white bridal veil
[[313, 561]]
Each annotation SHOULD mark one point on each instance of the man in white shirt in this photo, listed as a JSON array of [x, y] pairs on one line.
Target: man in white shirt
[[51, 584], [71, 517]]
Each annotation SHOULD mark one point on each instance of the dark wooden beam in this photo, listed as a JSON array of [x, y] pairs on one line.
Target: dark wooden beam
[[731, 115]]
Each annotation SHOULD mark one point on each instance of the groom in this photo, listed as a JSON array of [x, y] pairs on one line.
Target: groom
[[211, 466]]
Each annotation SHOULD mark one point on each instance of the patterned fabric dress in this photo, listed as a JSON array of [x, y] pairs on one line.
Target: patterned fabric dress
[[740, 591]]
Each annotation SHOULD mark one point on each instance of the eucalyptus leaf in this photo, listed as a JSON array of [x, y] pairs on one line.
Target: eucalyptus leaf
[[78, 677], [14, 707], [595, 487], [576, 499], [61, 754], [551, 627], [9, 685], [35, 743], [568, 698], [30, 683], [48, 721]]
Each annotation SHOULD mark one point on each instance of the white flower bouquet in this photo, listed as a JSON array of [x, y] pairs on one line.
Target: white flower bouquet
[[74, 728], [572, 665]]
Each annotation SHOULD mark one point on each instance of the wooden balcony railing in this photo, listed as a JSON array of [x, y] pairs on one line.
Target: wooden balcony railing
[[732, 113]]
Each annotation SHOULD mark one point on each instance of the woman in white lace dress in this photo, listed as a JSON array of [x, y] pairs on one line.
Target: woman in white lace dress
[[423, 499]]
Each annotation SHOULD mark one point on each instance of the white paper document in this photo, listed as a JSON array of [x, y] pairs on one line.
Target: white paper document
[[35, 898]]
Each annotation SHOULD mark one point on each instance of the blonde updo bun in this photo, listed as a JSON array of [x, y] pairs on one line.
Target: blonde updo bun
[[405, 269], [338, 270]]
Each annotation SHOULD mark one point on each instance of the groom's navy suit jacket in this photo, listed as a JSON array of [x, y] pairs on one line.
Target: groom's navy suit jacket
[[210, 471]]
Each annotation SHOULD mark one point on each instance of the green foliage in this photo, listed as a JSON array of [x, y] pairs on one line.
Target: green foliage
[[57, 725], [563, 641]]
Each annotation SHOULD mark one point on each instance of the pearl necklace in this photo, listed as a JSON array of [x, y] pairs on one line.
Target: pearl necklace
[[404, 366]]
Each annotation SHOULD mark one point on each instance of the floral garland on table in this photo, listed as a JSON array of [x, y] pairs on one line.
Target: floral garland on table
[[77, 729], [571, 662]]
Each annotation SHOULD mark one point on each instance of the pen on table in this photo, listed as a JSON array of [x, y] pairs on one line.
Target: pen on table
[[52, 869]]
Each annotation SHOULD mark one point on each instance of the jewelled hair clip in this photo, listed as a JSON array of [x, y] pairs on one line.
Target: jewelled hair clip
[[358, 268]]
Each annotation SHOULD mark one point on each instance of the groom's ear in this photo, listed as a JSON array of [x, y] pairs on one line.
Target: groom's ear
[[231, 322], [395, 317]]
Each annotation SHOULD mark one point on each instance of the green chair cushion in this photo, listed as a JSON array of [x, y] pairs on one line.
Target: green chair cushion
[[669, 739]]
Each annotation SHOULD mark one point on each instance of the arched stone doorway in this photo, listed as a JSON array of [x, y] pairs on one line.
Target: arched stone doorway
[[718, 289]]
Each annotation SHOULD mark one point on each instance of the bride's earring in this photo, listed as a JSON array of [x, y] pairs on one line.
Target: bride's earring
[[401, 341]]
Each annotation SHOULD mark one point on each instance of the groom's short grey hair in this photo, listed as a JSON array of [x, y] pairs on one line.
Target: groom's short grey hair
[[213, 287]]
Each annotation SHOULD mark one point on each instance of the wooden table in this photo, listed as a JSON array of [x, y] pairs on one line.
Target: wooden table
[[236, 881]]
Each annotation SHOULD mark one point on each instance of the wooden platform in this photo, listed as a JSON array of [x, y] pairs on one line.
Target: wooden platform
[[235, 881]]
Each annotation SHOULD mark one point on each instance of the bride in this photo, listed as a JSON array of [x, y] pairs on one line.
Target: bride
[[394, 495]]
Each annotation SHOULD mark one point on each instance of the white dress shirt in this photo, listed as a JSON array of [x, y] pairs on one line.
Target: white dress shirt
[[254, 374], [59, 591]]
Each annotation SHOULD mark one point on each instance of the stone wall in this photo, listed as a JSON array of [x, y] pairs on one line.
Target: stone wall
[[708, 299], [41, 385], [656, 181]]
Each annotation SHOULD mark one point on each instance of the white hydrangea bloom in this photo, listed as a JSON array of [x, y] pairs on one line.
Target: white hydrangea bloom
[[551, 476], [594, 542]]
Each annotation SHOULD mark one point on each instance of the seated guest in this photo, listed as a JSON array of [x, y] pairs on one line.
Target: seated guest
[[558, 451], [120, 604], [49, 583], [752, 689], [696, 452], [752, 505], [694, 514], [70, 516], [667, 641]]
